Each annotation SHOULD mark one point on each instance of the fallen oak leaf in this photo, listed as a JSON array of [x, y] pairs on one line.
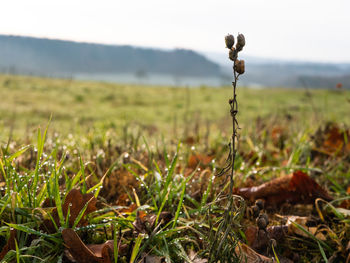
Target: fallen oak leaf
[[195, 258], [332, 140], [303, 222], [146, 223], [75, 201], [296, 188], [92, 253], [79, 251], [248, 255], [151, 259], [195, 159], [11, 244]]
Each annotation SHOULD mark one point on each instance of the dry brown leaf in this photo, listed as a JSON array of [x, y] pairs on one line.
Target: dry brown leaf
[[146, 223], [10, 244], [278, 136], [115, 184], [332, 140], [151, 259], [190, 140], [248, 255], [195, 259], [195, 159], [293, 229], [75, 202], [295, 188], [82, 253]]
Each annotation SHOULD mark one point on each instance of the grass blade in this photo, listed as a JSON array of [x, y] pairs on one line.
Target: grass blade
[[136, 248]]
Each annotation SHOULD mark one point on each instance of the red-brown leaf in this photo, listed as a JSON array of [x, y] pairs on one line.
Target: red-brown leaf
[[10, 244], [201, 159], [75, 201], [295, 188], [94, 253]]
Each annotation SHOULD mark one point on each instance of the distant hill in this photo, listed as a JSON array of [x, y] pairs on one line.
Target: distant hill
[[325, 82], [281, 73], [39, 56], [128, 64]]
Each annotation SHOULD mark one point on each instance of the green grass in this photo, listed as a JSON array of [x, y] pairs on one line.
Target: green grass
[[76, 106], [121, 143]]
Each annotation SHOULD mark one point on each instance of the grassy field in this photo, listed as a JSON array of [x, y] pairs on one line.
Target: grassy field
[[110, 169], [76, 106]]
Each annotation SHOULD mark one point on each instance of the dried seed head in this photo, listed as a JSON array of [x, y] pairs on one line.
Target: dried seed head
[[239, 66], [232, 54], [260, 203], [262, 221], [240, 42], [255, 210], [229, 41]]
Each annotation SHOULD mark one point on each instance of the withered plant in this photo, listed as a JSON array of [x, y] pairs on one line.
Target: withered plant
[[225, 238]]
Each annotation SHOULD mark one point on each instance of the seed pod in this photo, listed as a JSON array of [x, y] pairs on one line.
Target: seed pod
[[240, 42], [229, 41], [255, 210], [239, 66], [232, 54], [262, 221], [260, 203]]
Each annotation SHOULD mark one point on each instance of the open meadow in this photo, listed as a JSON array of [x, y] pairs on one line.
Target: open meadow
[[129, 173]]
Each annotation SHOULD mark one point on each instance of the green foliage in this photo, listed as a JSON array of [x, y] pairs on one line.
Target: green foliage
[[93, 146]]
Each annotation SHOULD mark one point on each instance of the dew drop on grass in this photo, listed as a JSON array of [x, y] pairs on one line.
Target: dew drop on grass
[[157, 176]]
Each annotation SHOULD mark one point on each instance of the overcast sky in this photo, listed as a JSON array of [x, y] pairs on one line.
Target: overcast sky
[[315, 30]]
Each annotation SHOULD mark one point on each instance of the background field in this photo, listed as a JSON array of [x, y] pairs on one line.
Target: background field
[[77, 107]]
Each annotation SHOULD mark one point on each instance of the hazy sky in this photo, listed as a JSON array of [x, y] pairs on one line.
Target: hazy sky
[[316, 30]]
